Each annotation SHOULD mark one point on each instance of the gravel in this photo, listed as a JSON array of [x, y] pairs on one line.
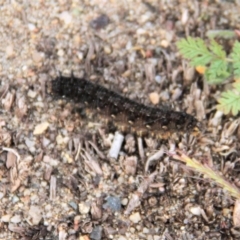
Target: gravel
[[58, 177]]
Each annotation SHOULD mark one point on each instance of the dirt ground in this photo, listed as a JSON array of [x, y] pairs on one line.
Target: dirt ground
[[57, 180]]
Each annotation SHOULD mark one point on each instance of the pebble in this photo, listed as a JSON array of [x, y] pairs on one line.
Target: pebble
[[185, 16], [84, 237], [96, 234], [45, 142], [107, 49], [84, 208], [29, 143], [149, 237], [135, 217], [37, 56], [73, 205], [9, 51], [35, 213], [80, 55], [32, 94], [100, 22], [61, 140], [124, 202], [66, 17], [113, 203], [132, 230], [145, 230], [165, 95], [141, 31], [154, 98], [26, 192], [196, 210], [15, 199], [16, 219], [60, 53], [31, 27], [50, 161], [41, 128], [6, 218], [1, 195], [122, 238], [158, 79], [164, 43]]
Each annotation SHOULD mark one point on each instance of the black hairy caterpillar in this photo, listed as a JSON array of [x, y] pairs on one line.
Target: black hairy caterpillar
[[125, 113]]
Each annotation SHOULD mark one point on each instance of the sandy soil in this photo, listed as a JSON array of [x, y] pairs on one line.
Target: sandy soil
[[57, 181]]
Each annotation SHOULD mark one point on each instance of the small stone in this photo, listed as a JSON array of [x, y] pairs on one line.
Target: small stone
[[158, 79], [164, 43], [73, 205], [9, 51], [67, 157], [185, 16], [113, 203], [52, 162], [45, 142], [6, 218], [149, 237], [154, 98], [16, 219], [26, 192], [80, 55], [66, 17], [61, 140], [84, 237], [60, 53], [135, 217], [196, 210], [37, 57], [107, 49], [100, 22], [141, 31], [31, 27], [124, 202], [1, 195], [84, 208], [122, 238], [40, 128], [29, 143], [145, 230], [77, 219], [145, 17], [32, 94], [96, 234], [35, 214], [164, 95], [15, 199]]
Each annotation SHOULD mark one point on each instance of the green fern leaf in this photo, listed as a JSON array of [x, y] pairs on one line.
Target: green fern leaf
[[229, 102], [195, 50], [217, 49], [217, 71], [236, 59]]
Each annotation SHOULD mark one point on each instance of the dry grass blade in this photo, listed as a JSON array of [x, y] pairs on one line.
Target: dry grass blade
[[209, 172]]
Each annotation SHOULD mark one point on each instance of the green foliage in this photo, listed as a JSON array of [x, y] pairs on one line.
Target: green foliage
[[236, 59], [229, 102], [195, 50], [219, 68]]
